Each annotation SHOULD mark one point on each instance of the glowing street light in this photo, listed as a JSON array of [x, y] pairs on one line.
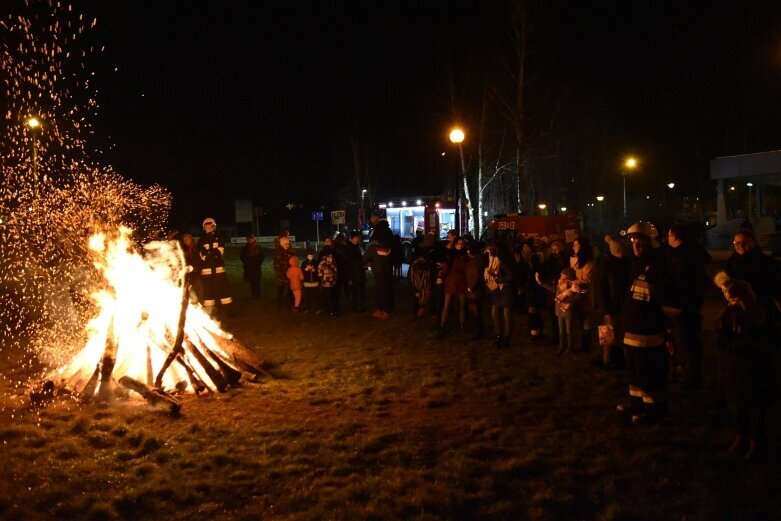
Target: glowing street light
[[629, 165], [35, 126], [600, 198], [670, 185], [457, 136], [563, 208]]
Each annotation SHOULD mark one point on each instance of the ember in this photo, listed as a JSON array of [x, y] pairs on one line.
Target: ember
[[66, 254]]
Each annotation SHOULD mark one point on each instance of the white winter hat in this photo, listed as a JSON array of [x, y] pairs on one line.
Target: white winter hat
[[209, 220]]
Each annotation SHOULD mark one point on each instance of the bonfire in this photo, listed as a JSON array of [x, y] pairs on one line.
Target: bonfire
[[148, 336]]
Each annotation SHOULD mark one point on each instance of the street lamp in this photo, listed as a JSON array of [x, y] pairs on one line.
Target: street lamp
[[457, 136], [749, 184], [670, 185], [629, 165], [35, 126], [542, 207]]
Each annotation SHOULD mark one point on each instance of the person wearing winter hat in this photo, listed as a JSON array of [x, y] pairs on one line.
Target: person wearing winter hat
[[215, 282]]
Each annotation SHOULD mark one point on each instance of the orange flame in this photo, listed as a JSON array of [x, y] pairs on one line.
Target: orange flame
[[139, 314]]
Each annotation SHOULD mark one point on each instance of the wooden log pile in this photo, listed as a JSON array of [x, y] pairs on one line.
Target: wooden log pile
[[222, 369]]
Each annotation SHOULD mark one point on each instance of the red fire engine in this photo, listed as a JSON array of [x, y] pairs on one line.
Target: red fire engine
[[563, 228]]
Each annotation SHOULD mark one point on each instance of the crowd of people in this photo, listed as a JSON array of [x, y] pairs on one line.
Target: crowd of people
[[640, 301]]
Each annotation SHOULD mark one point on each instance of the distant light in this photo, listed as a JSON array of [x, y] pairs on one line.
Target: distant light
[[443, 154], [732, 188], [485, 214], [382, 206], [390, 205], [33, 123], [749, 184], [436, 205], [542, 206], [647, 196], [404, 203], [600, 198], [563, 208], [457, 135], [630, 162], [670, 185], [363, 192], [419, 202], [707, 223]]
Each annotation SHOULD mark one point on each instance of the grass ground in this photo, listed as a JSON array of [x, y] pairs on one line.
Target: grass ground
[[382, 420]]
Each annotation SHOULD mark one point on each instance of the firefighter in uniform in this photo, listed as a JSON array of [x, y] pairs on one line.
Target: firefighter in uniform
[[645, 329], [215, 281]]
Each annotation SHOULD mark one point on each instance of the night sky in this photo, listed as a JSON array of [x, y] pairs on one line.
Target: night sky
[[218, 101]]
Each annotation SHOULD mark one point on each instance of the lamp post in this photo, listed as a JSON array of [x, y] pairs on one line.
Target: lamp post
[[629, 165], [542, 207], [749, 185], [457, 136], [34, 125]]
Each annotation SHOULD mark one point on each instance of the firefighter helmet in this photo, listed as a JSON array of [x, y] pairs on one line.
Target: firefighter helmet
[[642, 228], [209, 220]]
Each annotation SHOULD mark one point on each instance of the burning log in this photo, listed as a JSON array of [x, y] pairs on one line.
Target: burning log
[[88, 393], [178, 348], [107, 365], [245, 359], [219, 381], [106, 368], [196, 383], [151, 394], [231, 375]]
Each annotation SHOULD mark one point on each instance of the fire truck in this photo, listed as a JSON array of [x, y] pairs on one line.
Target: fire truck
[[563, 228]]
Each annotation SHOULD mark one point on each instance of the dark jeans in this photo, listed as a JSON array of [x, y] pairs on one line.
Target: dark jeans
[[358, 295], [331, 299], [564, 325], [284, 296], [383, 290]]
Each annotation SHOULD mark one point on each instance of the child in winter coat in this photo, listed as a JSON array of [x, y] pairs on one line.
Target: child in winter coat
[[743, 341], [567, 292], [295, 278], [328, 272], [311, 280]]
